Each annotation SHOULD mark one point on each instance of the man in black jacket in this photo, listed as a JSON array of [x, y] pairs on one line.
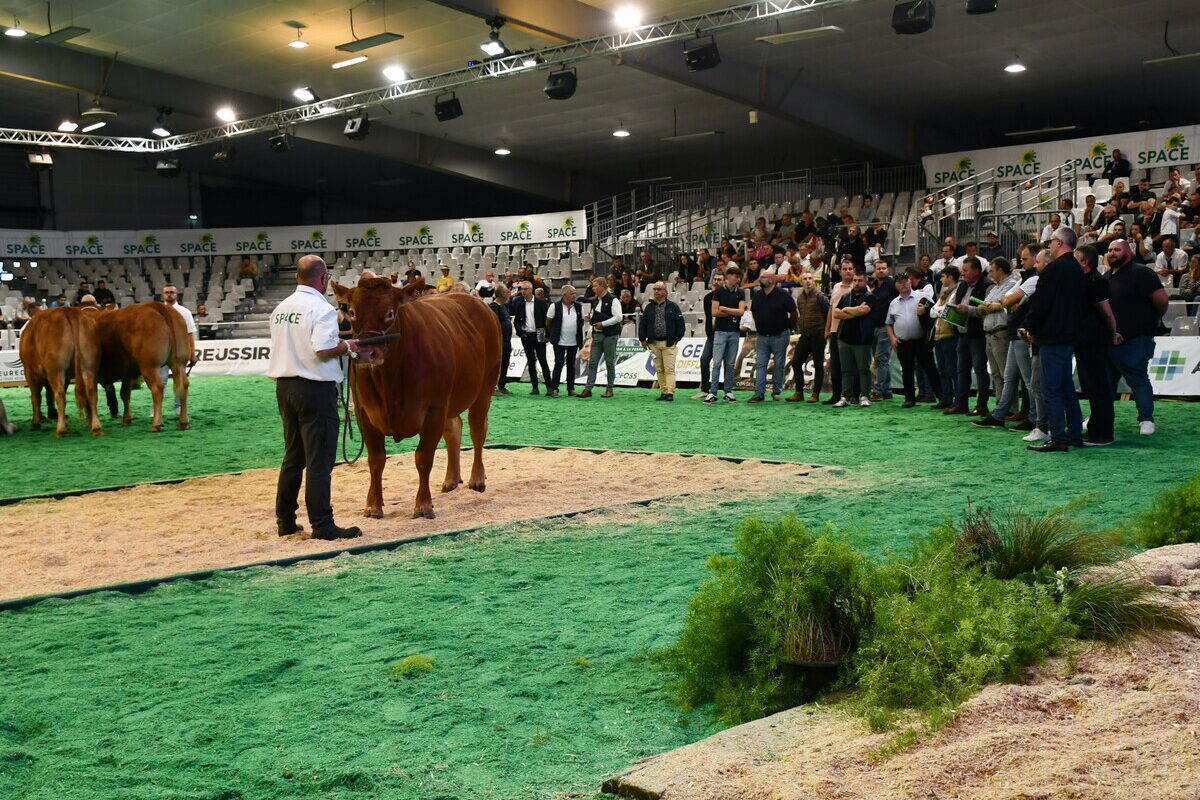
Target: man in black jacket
[[1055, 323], [972, 345], [1117, 168], [499, 307], [659, 331], [529, 318]]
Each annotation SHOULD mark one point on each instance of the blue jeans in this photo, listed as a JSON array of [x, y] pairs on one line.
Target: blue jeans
[[1058, 390], [1018, 365], [883, 362], [972, 356], [1128, 360], [946, 352], [766, 347], [724, 353]]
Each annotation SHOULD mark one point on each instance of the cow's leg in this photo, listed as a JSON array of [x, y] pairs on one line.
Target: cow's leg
[[86, 398], [431, 434], [181, 393], [35, 390], [155, 384], [452, 435], [477, 418], [126, 391], [59, 384], [376, 458]]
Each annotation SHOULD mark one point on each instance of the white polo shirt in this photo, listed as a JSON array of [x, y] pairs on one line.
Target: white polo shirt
[[301, 326], [568, 335], [188, 320]]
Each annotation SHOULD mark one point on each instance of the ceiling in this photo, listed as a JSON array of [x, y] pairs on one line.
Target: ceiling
[[864, 94]]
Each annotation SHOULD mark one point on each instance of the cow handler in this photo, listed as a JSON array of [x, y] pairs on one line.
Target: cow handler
[[304, 365]]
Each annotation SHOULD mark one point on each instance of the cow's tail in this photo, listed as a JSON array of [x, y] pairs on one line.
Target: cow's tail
[[81, 393]]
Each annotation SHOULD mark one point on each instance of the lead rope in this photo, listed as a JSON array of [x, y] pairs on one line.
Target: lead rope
[[347, 427]]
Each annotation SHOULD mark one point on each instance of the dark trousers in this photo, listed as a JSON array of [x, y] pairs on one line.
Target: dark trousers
[[310, 429], [1091, 363], [706, 364], [835, 365], [811, 344], [972, 356], [505, 358], [564, 355], [912, 353], [856, 370], [535, 353]]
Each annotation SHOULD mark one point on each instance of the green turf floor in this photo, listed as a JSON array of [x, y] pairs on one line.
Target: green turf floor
[[277, 683]]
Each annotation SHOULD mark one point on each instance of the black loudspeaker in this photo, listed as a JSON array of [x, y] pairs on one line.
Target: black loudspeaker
[[912, 16], [981, 6], [701, 56], [279, 143], [357, 127], [561, 85], [447, 109]]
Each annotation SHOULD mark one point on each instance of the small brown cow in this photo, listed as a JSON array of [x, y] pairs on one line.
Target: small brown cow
[[445, 361], [59, 345], [134, 342]]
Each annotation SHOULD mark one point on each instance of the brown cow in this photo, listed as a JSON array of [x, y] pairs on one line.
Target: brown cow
[[59, 345], [134, 342], [446, 361]]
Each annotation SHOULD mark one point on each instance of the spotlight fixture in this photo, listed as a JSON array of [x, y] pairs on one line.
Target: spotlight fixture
[[395, 74], [226, 152], [502, 150], [161, 129], [167, 167], [494, 47], [16, 31], [62, 34], [349, 62], [981, 6], [280, 143], [561, 85], [93, 126], [701, 56], [97, 110], [1016, 66], [68, 126], [39, 161], [298, 42], [620, 132], [912, 16], [627, 17], [357, 127], [448, 109], [532, 60], [226, 114], [305, 95]]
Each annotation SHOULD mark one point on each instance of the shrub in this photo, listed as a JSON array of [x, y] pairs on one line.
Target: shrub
[[786, 593], [1119, 607], [1172, 518], [412, 665], [1018, 544]]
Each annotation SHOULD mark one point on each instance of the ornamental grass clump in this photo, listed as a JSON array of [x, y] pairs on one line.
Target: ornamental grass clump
[[1173, 517]]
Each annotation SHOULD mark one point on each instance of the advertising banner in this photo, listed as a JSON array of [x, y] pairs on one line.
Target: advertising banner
[[23, 246], [1144, 149]]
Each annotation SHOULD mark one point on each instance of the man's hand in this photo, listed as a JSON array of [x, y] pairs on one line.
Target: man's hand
[[895, 343], [645, 345], [962, 308], [1118, 339]]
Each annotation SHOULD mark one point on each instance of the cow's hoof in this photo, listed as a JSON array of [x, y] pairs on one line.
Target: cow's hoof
[[36, 426], [373, 513], [125, 423], [449, 487], [155, 428], [60, 434], [97, 432], [183, 426], [426, 514], [478, 486]]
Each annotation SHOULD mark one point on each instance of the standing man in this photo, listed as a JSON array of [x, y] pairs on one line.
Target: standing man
[[171, 299], [499, 307], [884, 289], [972, 343], [995, 321], [855, 338], [774, 313], [566, 336], [832, 326], [1091, 354], [908, 337], [605, 320], [1054, 323], [660, 330], [812, 311], [529, 318], [304, 365], [1138, 302], [706, 353], [728, 305]]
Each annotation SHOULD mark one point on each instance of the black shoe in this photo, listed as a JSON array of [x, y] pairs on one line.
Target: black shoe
[[334, 532], [670, 398], [288, 528], [830, 401], [926, 399], [535, 391], [661, 397], [1024, 427], [940, 405], [1076, 443], [1049, 447], [1088, 441], [987, 422], [908, 404], [756, 399]]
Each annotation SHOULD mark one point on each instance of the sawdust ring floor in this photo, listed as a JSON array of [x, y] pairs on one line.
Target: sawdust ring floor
[[150, 531]]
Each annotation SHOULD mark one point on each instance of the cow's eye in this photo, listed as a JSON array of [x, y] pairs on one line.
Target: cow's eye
[[391, 315]]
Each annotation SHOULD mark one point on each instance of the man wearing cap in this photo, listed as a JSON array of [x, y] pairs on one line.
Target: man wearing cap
[[991, 247], [446, 282]]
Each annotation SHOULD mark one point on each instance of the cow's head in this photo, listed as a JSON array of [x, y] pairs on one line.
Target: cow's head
[[374, 306]]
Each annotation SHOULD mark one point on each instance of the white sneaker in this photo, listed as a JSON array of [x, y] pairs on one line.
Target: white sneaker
[[1086, 420], [1036, 435], [729, 398], [864, 403], [1146, 428], [710, 399], [699, 395], [843, 403]]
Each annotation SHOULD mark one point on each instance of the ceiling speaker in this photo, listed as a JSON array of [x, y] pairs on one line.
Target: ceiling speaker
[[448, 109], [357, 127], [912, 16], [701, 56], [561, 85]]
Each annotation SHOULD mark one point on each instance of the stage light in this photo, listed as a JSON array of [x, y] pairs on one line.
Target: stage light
[[161, 128], [502, 150], [68, 126], [561, 85], [39, 161], [349, 62], [494, 46], [699, 57], [167, 167], [298, 42], [1016, 66], [357, 127], [94, 126], [531, 60], [395, 74], [226, 114], [620, 132], [226, 152], [912, 16], [981, 6], [16, 31], [279, 143], [628, 17], [448, 109], [305, 95]]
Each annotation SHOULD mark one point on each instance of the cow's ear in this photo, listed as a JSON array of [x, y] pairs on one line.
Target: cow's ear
[[410, 291], [344, 294]]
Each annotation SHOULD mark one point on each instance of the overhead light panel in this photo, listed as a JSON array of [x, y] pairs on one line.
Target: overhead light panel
[[280, 143], [1016, 66], [16, 31], [910, 17], [68, 126], [226, 152], [395, 74], [700, 55], [628, 17], [160, 129], [167, 167], [982, 6], [1044, 131], [357, 127], [683, 137], [799, 36], [561, 85], [494, 47], [62, 35], [349, 62], [226, 114], [93, 126], [305, 95], [369, 42], [1168, 60], [447, 109]]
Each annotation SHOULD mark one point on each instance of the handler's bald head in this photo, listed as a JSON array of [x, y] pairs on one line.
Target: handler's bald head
[[310, 271]]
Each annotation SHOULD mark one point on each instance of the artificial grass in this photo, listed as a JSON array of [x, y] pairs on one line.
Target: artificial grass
[[279, 683]]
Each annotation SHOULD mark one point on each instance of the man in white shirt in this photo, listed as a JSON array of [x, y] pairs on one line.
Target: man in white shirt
[[486, 288], [1171, 262], [908, 337], [1048, 231], [304, 365], [1169, 227], [605, 323], [947, 260], [564, 331], [171, 299]]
